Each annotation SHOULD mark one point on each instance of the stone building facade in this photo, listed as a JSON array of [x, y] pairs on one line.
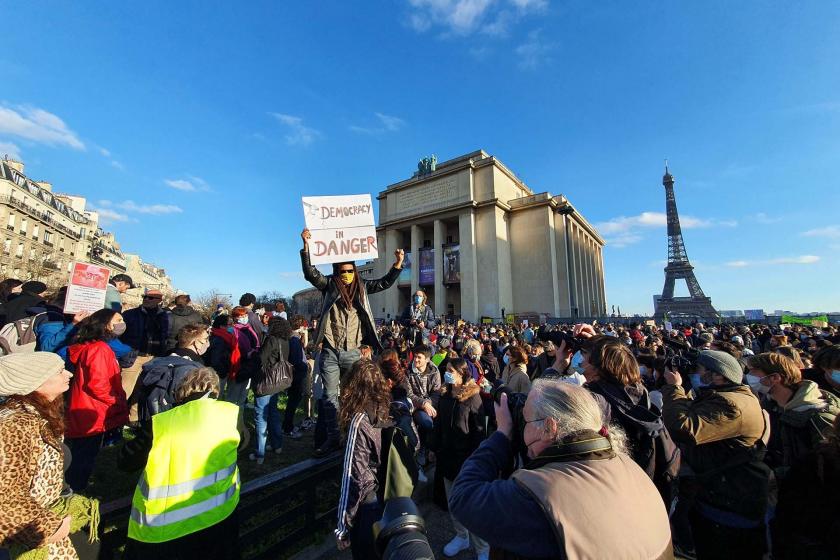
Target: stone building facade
[[481, 243]]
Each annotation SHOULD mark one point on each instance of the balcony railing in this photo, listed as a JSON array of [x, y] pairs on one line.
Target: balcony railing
[[48, 243], [42, 217]]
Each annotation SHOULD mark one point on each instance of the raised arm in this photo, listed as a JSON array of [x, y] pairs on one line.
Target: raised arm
[[312, 274], [388, 280]]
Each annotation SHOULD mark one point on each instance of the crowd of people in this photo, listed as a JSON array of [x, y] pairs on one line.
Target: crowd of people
[[542, 441]]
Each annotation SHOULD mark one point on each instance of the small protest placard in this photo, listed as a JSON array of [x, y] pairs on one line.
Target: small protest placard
[[342, 228], [87, 287]]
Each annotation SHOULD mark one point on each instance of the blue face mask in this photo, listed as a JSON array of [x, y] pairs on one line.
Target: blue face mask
[[506, 359], [697, 381], [835, 376], [449, 378], [418, 300]]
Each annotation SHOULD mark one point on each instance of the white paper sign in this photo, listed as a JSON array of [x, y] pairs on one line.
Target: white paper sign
[[87, 288], [342, 228]]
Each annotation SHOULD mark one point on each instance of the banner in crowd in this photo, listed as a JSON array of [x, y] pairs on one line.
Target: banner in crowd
[[815, 321], [87, 288], [427, 267], [342, 228], [754, 314], [452, 264], [404, 278]]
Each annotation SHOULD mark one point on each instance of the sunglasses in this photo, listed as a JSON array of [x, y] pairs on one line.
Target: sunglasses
[[152, 297]]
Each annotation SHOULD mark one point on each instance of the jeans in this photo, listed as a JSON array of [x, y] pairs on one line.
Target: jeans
[[267, 419], [295, 394], [84, 451], [425, 424], [335, 364], [236, 392]]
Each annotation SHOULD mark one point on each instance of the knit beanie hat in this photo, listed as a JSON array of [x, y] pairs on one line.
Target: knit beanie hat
[[707, 337], [22, 373], [723, 364]]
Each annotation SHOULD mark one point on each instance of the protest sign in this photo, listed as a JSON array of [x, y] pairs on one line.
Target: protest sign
[[814, 321], [87, 288], [342, 228]]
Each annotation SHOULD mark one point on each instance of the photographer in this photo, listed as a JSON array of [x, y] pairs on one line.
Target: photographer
[[576, 468], [418, 318], [720, 432]]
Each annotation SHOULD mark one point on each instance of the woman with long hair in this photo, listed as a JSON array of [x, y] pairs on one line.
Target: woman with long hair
[[97, 398], [8, 288], [275, 349], [31, 455], [515, 374], [364, 411]]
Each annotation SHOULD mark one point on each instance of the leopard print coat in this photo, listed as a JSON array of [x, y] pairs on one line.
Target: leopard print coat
[[31, 478]]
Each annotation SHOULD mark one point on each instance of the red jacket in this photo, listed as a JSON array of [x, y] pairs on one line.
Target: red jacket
[[97, 399]]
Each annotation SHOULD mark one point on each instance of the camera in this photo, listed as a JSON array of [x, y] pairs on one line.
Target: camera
[[573, 343], [401, 533], [679, 356], [516, 404]]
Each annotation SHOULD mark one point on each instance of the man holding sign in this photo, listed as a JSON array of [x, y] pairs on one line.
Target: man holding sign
[[346, 323]]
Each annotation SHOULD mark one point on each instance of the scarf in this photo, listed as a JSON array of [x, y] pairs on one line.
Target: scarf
[[230, 340], [347, 293]]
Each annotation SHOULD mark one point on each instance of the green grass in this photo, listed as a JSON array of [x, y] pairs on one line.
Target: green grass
[[109, 483]]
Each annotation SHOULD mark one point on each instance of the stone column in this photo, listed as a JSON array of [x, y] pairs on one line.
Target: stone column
[[415, 258], [469, 266], [440, 290], [602, 281]]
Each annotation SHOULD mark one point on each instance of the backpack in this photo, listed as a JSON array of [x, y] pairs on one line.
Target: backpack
[[651, 446], [397, 473], [158, 382], [19, 336]]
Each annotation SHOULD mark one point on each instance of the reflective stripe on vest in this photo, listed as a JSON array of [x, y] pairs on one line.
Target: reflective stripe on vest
[[183, 487], [169, 517], [191, 481]]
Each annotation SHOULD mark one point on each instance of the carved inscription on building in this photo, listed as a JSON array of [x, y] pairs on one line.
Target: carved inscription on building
[[425, 198]]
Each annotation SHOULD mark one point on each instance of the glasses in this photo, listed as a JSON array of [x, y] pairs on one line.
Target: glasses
[[345, 270], [152, 297], [535, 420]]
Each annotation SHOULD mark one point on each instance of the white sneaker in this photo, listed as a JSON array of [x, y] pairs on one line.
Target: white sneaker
[[456, 545]]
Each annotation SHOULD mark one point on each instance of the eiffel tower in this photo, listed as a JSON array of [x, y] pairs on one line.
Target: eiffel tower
[[697, 305]]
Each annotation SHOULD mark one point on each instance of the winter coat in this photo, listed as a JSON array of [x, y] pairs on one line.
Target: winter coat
[[359, 481], [459, 427], [331, 296], [223, 354], [426, 315], [16, 308], [249, 351], [425, 387], [146, 331], [797, 427], [723, 425], [31, 480], [491, 366], [113, 300], [543, 362], [160, 380], [97, 400], [54, 331], [274, 349], [515, 376], [179, 318]]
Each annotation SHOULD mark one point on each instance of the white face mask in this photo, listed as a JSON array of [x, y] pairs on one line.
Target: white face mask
[[756, 385]]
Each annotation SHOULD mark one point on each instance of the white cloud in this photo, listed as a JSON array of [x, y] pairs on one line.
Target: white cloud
[[802, 259], [299, 134], [109, 216], [463, 17], [9, 149], [831, 232], [37, 125], [763, 218], [117, 165], [533, 52], [190, 184], [104, 152], [131, 207], [626, 230], [387, 123]]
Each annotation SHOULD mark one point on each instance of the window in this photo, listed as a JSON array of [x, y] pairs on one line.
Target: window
[[24, 224], [11, 223], [35, 231], [48, 238], [19, 252], [7, 246], [32, 254]]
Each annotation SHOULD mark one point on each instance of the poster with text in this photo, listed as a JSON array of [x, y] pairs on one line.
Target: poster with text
[[342, 228], [427, 267], [452, 264], [404, 278], [87, 288]]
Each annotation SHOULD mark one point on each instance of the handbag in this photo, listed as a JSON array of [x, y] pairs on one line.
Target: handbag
[[276, 378]]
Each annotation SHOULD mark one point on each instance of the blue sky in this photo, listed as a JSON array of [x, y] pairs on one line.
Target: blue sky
[[196, 126]]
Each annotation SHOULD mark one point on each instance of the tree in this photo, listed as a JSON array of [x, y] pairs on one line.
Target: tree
[[271, 298], [46, 266], [206, 302]]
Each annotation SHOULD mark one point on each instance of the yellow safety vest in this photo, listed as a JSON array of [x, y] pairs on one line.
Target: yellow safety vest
[[191, 481]]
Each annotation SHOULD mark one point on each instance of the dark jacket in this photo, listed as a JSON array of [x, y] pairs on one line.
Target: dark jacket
[[359, 482], [16, 308], [274, 350], [459, 428], [145, 331], [542, 363], [160, 379], [330, 292], [425, 387], [179, 318]]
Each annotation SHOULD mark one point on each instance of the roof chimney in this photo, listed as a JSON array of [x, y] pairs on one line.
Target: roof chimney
[[14, 164], [46, 185]]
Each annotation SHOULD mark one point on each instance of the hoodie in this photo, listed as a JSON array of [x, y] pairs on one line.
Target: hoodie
[[797, 427]]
